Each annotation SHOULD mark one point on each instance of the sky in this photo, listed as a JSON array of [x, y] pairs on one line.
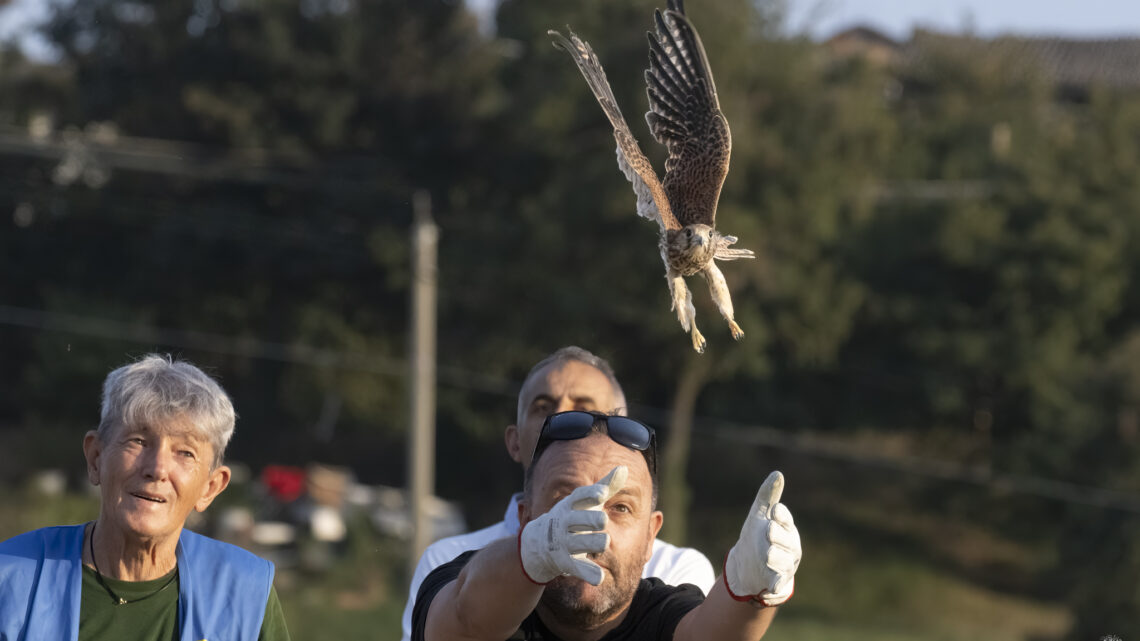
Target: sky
[[896, 18], [822, 18], [16, 19]]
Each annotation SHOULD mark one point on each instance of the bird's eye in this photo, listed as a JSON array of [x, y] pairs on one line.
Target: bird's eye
[[688, 233]]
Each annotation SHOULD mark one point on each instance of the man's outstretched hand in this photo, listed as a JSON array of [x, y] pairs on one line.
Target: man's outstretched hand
[[557, 542], [762, 565]]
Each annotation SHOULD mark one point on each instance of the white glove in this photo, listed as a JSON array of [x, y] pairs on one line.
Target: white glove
[[762, 565], [557, 542]]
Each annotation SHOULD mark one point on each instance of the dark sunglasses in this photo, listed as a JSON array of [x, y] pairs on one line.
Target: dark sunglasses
[[575, 424]]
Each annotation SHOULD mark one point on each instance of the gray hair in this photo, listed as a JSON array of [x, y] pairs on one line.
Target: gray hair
[[157, 388], [565, 355]]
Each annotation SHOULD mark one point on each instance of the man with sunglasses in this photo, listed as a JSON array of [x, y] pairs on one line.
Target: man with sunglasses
[[573, 572], [571, 378]]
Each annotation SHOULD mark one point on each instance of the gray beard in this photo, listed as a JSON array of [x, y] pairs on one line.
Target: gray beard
[[564, 598]]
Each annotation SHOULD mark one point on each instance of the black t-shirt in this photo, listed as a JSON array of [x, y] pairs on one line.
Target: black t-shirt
[[653, 615]]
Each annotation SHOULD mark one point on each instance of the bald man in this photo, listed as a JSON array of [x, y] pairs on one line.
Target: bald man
[[573, 573], [571, 378]]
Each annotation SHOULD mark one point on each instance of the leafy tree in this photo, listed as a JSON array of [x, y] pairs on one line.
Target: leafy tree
[[340, 113]]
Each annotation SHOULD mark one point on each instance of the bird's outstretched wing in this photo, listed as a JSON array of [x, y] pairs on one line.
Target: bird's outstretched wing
[[651, 200], [685, 116]]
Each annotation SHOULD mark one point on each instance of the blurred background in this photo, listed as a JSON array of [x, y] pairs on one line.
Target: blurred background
[[943, 321]]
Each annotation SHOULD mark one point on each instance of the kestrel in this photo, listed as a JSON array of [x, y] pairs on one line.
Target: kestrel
[[684, 115]]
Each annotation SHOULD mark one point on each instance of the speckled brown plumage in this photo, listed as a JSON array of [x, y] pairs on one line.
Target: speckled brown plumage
[[684, 115]]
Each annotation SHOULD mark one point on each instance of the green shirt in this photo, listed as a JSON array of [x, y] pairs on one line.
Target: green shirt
[[154, 618]]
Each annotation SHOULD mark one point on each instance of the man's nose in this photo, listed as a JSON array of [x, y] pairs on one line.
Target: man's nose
[[565, 404]]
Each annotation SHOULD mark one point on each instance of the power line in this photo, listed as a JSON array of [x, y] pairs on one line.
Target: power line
[[733, 433], [204, 341], [939, 469], [246, 347], [104, 148]]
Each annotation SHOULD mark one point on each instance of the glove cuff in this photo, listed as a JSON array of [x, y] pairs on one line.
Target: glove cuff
[[757, 600], [518, 549]]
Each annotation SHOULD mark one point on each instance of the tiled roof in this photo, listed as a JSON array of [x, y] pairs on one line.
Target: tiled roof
[[1114, 62]]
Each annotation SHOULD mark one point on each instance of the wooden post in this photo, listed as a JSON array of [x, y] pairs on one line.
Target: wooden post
[[421, 441]]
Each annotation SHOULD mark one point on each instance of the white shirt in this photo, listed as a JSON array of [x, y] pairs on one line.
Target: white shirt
[[673, 565]]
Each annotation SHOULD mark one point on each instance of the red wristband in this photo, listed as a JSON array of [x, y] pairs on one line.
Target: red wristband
[[518, 548]]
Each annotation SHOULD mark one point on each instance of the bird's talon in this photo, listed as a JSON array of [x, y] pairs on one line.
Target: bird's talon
[[698, 342], [737, 333]]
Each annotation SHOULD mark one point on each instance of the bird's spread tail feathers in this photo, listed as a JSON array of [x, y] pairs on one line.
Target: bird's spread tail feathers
[[725, 252]]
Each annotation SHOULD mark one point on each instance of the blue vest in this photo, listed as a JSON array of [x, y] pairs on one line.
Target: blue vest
[[222, 589]]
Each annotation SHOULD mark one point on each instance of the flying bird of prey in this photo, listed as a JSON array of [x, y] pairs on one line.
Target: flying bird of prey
[[684, 115]]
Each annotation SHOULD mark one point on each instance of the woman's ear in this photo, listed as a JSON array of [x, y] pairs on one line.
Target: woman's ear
[[92, 451], [219, 480]]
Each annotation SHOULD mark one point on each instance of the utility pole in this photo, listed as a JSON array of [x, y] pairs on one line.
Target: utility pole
[[421, 443]]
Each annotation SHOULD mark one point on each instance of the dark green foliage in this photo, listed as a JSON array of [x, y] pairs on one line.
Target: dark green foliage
[[947, 247]]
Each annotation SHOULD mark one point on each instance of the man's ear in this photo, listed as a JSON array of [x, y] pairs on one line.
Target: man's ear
[[219, 479], [514, 446], [92, 451], [655, 521]]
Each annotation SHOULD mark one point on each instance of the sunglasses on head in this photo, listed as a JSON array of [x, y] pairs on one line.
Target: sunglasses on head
[[576, 424]]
